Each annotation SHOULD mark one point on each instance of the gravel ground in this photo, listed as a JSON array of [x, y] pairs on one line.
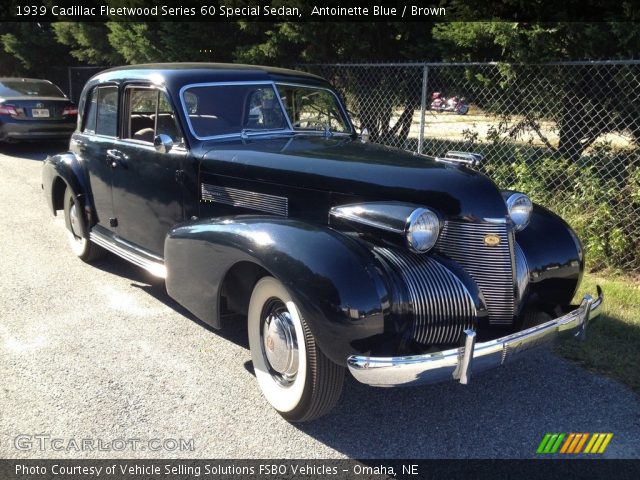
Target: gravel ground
[[102, 352]]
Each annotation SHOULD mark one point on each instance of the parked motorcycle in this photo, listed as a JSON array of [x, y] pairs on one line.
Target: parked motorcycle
[[440, 103]]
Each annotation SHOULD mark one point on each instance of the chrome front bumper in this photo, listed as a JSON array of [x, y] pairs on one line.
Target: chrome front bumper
[[458, 363]]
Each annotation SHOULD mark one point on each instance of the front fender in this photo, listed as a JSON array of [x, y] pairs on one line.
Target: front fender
[[331, 276], [554, 258]]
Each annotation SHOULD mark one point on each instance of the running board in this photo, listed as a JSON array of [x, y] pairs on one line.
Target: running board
[[130, 253]]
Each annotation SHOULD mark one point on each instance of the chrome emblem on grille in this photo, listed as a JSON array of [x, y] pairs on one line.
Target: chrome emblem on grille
[[39, 105], [492, 240]]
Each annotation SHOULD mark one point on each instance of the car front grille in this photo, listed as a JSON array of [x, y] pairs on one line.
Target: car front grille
[[441, 306], [490, 266]]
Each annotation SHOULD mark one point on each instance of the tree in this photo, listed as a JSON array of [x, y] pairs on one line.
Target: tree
[[88, 42], [25, 42], [584, 102]]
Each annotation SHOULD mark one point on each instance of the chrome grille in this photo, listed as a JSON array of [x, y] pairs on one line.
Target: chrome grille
[[246, 199], [490, 266], [441, 305], [522, 271]]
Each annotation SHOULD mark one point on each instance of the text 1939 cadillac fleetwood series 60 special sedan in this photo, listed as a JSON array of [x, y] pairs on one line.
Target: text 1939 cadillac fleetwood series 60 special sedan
[[248, 189]]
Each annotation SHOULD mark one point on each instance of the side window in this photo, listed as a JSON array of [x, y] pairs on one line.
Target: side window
[[92, 110], [166, 120], [107, 111], [149, 113]]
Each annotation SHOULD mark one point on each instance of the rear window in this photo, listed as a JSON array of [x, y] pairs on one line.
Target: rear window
[[28, 88]]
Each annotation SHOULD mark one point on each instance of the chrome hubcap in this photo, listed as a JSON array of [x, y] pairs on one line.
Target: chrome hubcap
[[279, 343], [75, 221]]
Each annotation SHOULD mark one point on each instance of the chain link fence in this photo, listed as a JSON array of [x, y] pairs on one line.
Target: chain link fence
[[567, 134]]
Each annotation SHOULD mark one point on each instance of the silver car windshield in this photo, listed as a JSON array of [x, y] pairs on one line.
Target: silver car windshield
[[229, 109]]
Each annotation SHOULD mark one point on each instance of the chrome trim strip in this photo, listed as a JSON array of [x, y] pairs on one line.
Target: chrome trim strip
[[340, 212], [124, 250], [448, 364], [245, 199]]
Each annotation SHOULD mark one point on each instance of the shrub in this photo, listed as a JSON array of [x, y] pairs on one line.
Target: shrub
[[598, 196]]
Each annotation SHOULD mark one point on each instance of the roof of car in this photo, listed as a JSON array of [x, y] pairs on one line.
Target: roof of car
[[202, 73]]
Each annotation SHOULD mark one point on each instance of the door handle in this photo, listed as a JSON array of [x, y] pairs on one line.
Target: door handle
[[116, 157]]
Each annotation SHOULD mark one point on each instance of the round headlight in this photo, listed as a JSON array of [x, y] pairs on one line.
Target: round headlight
[[520, 207], [422, 230]]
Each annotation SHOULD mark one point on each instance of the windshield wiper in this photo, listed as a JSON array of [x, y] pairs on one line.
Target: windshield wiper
[[244, 133]]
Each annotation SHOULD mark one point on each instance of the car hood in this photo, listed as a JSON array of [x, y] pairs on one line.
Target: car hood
[[366, 171]]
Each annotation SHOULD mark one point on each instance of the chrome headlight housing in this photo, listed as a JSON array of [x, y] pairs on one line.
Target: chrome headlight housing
[[422, 230], [520, 207]]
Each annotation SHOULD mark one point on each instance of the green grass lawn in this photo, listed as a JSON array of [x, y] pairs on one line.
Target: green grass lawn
[[613, 340]]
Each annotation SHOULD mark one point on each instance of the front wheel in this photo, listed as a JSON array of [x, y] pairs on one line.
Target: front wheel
[[80, 245], [295, 377]]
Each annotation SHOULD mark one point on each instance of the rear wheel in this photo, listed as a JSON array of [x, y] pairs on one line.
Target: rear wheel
[[80, 245], [295, 377]]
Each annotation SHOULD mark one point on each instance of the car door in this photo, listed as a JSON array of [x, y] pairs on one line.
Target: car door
[[147, 188], [92, 144]]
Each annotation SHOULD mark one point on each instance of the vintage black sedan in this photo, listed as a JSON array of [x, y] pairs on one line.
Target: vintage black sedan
[[34, 109], [249, 191]]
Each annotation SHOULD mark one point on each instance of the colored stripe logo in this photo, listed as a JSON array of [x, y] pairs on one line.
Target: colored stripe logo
[[574, 443]]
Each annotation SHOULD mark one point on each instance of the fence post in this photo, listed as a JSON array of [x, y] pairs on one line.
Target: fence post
[[423, 105], [70, 84]]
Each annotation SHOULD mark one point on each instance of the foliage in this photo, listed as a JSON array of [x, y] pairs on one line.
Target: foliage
[[575, 101], [24, 44], [88, 42], [593, 200]]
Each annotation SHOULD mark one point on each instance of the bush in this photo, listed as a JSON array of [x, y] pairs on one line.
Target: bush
[[598, 196]]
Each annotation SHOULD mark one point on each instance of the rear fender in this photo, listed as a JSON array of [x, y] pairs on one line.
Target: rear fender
[[65, 168], [331, 276]]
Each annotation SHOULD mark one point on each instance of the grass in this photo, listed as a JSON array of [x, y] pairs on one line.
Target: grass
[[613, 340]]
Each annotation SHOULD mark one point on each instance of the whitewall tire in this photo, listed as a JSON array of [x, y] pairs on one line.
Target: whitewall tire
[[295, 377], [80, 245]]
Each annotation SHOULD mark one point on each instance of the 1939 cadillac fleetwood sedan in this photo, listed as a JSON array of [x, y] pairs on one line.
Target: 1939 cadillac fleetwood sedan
[[249, 191]]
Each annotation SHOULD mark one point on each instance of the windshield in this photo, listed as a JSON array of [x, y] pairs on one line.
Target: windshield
[[311, 108], [231, 109], [31, 88]]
